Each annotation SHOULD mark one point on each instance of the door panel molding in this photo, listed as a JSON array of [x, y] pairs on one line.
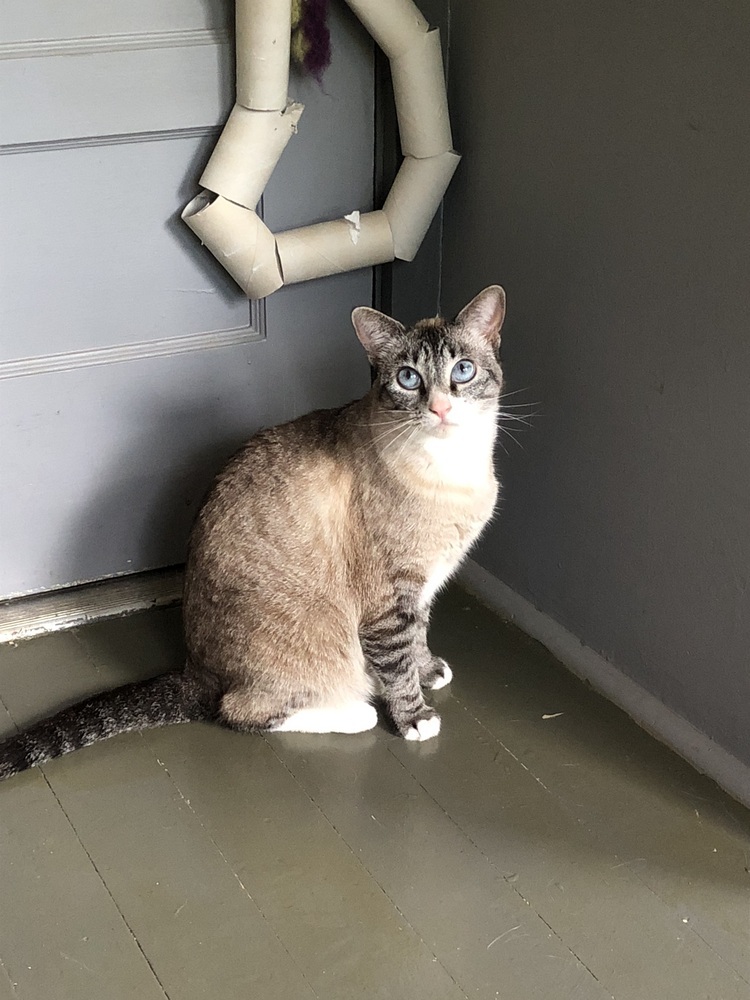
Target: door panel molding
[[138, 86], [118, 139], [44, 19], [43, 47], [166, 347]]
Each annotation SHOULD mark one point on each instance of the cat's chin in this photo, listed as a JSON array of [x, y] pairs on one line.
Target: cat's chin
[[443, 430]]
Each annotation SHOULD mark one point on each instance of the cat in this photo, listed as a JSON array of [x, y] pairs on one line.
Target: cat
[[315, 558]]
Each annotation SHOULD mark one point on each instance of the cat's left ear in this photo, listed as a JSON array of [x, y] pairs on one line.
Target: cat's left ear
[[374, 329], [484, 315]]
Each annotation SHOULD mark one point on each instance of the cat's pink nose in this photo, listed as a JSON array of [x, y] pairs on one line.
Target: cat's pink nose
[[440, 405]]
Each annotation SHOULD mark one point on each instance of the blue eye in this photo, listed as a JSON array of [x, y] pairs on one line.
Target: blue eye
[[463, 371], [408, 378]]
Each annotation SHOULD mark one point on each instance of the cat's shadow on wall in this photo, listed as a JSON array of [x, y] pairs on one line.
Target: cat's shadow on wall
[[140, 517]]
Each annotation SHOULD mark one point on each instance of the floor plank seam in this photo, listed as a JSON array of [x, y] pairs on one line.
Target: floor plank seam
[[506, 748], [562, 803], [364, 867], [721, 958], [74, 632], [554, 932], [510, 885], [12, 985], [137, 943], [724, 961], [237, 878], [8, 713]]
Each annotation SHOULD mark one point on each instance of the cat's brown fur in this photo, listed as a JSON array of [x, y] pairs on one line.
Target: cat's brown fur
[[315, 557], [310, 535]]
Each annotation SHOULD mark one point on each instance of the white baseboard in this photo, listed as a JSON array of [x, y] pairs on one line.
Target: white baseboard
[[645, 709]]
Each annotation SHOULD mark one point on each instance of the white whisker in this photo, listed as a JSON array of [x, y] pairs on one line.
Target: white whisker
[[400, 432], [526, 421], [512, 436], [406, 443], [390, 422], [505, 395]]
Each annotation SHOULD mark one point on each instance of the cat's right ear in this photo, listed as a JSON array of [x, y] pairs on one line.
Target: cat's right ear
[[374, 329]]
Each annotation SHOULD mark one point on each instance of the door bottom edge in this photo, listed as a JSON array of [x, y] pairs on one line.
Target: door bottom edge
[[59, 610]]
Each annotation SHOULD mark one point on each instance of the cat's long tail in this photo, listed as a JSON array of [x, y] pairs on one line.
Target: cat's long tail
[[161, 701]]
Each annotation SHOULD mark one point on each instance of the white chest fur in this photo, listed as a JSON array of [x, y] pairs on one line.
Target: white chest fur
[[453, 553], [461, 458], [461, 462], [438, 576], [451, 470]]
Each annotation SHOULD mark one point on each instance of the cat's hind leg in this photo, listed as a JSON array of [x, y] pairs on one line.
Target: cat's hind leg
[[354, 717], [245, 710], [301, 671]]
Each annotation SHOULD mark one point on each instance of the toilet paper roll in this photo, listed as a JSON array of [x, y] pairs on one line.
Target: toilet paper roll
[[415, 197], [262, 40], [333, 247], [421, 101], [239, 240], [247, 152], [394, 24]]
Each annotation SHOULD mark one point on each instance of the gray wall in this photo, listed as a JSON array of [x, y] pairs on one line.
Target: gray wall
[[606, 184]]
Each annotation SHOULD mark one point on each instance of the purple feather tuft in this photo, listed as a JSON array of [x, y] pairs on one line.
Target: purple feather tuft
[[314, 26]]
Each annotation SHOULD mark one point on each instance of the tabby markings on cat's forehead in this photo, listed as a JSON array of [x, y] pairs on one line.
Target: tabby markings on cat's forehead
[[456, 369]]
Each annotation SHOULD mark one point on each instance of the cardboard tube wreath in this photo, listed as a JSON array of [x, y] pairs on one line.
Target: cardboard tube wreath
[[263, 121]]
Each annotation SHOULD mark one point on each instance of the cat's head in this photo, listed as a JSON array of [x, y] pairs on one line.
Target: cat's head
[[443, 375]]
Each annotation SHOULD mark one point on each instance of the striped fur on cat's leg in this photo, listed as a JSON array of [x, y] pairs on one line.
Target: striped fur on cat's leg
[[434, 671], [395, 647]]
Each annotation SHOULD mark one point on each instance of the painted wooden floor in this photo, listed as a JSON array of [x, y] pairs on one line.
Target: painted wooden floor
[[542, 848]]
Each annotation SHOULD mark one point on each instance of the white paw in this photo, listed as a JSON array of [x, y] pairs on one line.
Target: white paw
[[441, 682], [356, 717], [360, 717], [425, 729]]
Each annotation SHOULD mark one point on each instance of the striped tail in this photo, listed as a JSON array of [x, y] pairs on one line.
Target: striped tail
[[161, 701]]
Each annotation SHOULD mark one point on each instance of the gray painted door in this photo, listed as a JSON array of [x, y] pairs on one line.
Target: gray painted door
[[131, 366]]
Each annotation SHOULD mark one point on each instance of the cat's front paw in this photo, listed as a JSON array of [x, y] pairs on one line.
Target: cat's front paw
[[438, 676], [423, 726]]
